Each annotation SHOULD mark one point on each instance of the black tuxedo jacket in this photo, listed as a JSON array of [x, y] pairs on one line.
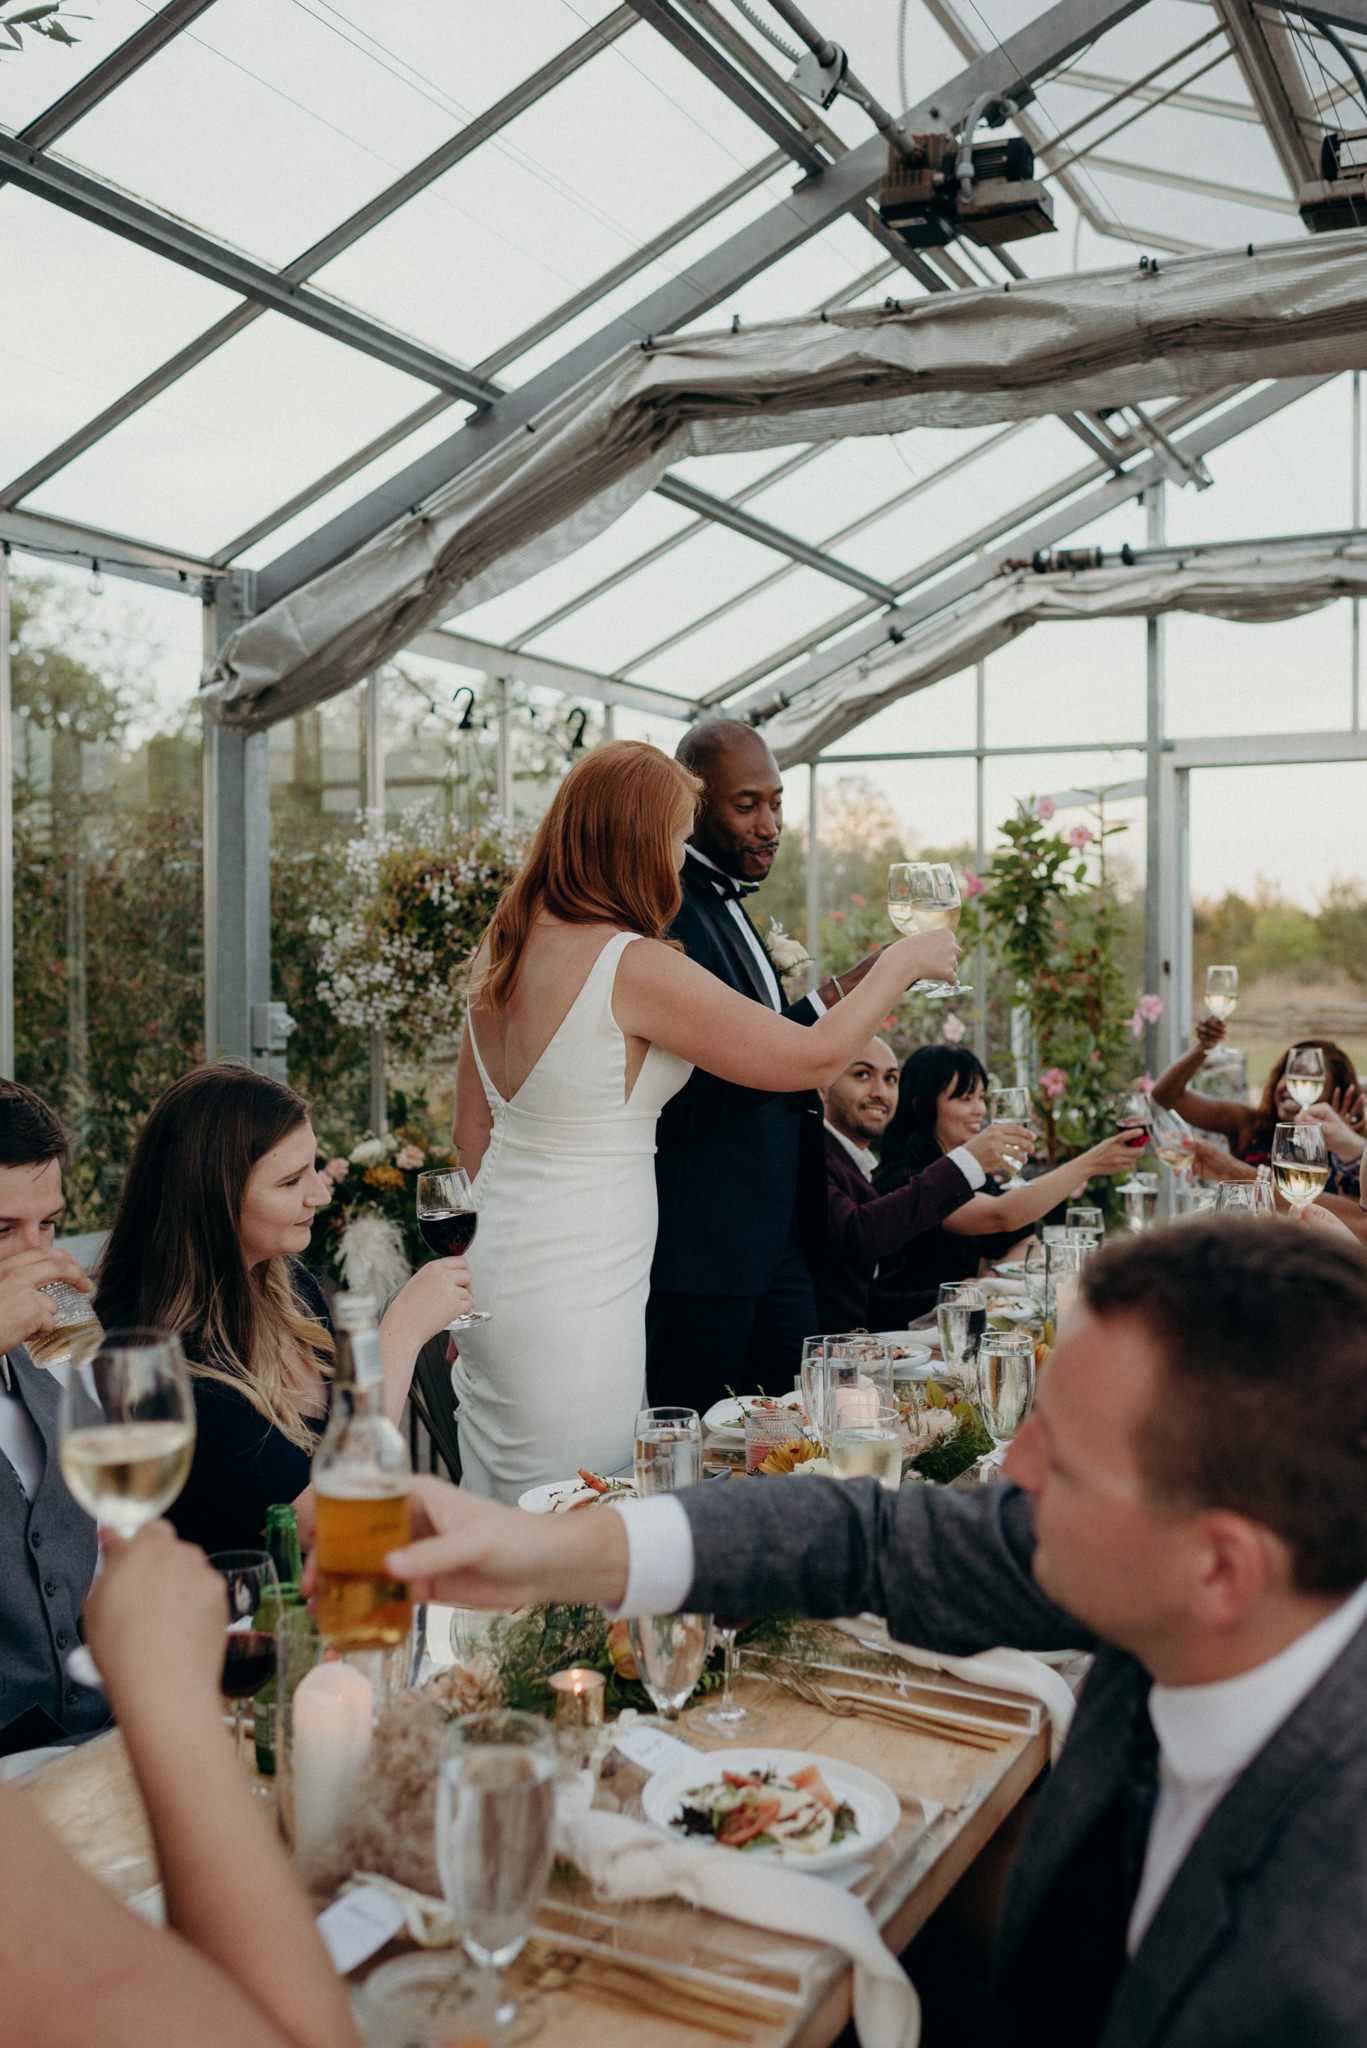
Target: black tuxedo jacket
[[1258, 1940], [735, 1169]]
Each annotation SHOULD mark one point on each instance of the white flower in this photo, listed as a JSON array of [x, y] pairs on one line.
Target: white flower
[[787, 954], [815, 1468], [928, 1427], [369, 1152]]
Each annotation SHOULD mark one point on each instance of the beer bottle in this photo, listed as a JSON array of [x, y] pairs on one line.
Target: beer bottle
[[360, 1478], [282, 1541]]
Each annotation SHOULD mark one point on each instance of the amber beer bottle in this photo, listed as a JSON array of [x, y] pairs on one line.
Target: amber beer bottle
[[360, 1478]]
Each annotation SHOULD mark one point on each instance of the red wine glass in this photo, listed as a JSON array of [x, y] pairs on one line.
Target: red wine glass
[[448, 1218], [249, 1645]]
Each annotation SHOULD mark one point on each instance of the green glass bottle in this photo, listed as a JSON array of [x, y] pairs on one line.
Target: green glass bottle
[[282, 1541]]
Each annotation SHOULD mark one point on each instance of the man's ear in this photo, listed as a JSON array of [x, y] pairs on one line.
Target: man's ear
[[1240, 1562]]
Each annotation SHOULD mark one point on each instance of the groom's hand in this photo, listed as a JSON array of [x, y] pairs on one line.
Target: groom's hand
[[475, 1553], [840, 984]]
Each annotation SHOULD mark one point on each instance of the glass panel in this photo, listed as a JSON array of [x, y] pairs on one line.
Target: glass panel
[[1073, 682], [1291, 474], [33, 79], [802, 603], [107, 863], [1293, 674]]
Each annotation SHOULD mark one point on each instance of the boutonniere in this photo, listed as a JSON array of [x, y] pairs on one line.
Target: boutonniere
[[788, 954]]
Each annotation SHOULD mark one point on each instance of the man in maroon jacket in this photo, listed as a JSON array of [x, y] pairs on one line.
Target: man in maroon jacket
[[862, 1226]]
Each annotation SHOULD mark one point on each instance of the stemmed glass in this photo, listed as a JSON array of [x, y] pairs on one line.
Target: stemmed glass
[[727, 1718], [670, 1651], [1222, 991], [1082, 1216], [1134, 1118], [1174, 1141], [1006, 1381], [923, 896], [249, 1645], [495, 1839], [1303, 1074], [1012, 1106], [126, 1438], [1300, 1163], [448, 1218]]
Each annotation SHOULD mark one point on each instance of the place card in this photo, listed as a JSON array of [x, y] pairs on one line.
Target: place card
[[356, 1925], [650, 1749]]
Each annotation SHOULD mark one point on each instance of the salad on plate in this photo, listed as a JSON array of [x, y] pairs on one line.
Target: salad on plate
[[764, 1809]]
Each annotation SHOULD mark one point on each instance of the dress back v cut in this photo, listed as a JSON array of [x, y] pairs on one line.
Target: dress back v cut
[[567, 1214]]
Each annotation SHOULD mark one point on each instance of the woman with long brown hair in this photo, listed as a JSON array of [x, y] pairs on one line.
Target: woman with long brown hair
[[217, 1207], [1249, 1130], [584, 1020]]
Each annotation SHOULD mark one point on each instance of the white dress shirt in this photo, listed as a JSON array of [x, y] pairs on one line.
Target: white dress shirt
[[752, 940], [1209, 1734], [19, 1438]]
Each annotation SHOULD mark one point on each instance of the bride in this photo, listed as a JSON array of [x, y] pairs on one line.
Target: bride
[[584, 1020]]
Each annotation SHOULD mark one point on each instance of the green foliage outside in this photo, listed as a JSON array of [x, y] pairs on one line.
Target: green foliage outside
[[1268, 936]]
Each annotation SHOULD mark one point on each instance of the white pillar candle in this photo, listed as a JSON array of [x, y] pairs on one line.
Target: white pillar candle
[[857, 1405], [333, 1709]]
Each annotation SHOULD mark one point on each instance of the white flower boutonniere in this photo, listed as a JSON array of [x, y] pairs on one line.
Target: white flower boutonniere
[[788, 955]]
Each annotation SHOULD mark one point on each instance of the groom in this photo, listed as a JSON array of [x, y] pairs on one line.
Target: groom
[[740, 1174]]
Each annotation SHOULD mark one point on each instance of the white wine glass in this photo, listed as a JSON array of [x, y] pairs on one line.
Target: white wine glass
[[1012, 1106], [126, 1438], [1300, 1163], [1006, 1381], [495, 1840], [948, 907], [1174, 1141], [1222, 991], [1082, 1216], [923, 896], [1303, 1076], [670, 1652], [448, 1217]]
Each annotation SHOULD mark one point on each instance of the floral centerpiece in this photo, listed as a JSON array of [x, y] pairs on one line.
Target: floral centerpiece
[[368, 1237]]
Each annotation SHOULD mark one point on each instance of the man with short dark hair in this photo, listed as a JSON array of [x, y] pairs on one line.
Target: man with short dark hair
[[1190, 1501], [48, 1548]]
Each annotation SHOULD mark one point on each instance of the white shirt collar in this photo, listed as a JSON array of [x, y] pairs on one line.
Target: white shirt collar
[[1214, 1731], [860, 1154]]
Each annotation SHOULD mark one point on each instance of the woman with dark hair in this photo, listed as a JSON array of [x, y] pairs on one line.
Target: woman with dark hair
[[940, 1104], [218, 1205], [584, 1020], [1249, 1131]]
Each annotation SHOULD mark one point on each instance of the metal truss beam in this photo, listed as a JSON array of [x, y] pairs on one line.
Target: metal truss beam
[[1207, 188], [1350, 14], [1262, 48], [117, 554], [1042, 44], [538, 669], [1189, 102], [130, 56], [676, 29], [722, 514]]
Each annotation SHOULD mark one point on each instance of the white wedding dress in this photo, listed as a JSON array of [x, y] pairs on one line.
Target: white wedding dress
[[566, 1195]]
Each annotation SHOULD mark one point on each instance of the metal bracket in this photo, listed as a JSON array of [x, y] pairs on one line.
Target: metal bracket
[[820, 82]]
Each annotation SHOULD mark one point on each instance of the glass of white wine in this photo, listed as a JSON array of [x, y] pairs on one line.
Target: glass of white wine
[[923, 896], [1012, 1106], [1300, 1163], [1006, 1381], [1222, 991], [1303, 1075], [868, 1447]]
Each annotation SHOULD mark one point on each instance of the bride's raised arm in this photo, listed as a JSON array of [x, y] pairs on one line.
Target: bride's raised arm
[[663, 996]]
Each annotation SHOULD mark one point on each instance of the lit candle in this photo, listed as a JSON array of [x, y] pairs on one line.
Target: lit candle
[[579, 1696], [333, 1710], [857, 1405]]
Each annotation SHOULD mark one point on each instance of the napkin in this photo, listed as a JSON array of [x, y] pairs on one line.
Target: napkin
[[1008, 1670], [627, 1860]]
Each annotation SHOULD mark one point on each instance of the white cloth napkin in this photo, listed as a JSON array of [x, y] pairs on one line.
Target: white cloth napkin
[[1008, 1670], [627, 1860]]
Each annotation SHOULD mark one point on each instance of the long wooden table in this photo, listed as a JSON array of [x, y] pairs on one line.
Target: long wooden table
[[92, 1802]]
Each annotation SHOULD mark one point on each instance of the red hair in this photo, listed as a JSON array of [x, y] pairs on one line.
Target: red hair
[[603, 854]]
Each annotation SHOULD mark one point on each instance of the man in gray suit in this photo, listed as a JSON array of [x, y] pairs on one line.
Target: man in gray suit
[[48, 1548], [1190, 1501]]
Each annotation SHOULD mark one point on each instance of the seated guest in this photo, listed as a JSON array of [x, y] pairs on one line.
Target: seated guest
[[940, 1105], [1195, 1871], [240, 1963], [864, 1227], [48, 1550], [217, 1207], [1248, 1132]]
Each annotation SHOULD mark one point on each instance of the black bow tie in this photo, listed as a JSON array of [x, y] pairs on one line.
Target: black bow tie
[[728, 887]]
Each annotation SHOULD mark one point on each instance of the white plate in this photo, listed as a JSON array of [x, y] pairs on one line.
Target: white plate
[[728, 1417], [557, 1494], [916, 1349], [877, 1808]]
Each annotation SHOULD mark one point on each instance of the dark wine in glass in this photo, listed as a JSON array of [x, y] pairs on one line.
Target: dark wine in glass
[[248, 1661], [450, 1234], [447, 1218]]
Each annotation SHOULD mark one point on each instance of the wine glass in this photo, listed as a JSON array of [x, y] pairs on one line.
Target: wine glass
[[667, 1451], [1012, 1106], [961, 1313], [1303, 1074], [1238, 1196], [923, 896], [727, 1718], [448, 1219], [1134, 1118], [1082, 1216], [495, 1839], [1300, 1163], [249, 1645], [1222, 991], [670, 1651], [1006, 1381], [1174, 1141], [126, 1438], [943, 916]]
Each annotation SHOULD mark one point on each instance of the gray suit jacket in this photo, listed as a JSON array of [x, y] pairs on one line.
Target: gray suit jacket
[[1259, 1940]]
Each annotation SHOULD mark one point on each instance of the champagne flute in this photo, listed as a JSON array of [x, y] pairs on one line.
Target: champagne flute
[[667, 1450], [1300, 1163], [923, 896], [448, 1218], [1222, 991], [1006, 1381], [495, 1838], [1012, 1106], [727, 1718], [248, 1650], [126, 1438], [670, 1651], [1303, 1074]]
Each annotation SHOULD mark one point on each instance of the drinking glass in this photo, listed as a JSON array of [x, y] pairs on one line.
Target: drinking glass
[[765, 1430], [727, 1718], [844, 1374], [1012, 1106], [1033, 1273], [249, 1645], [1303, 1075], [495, 1838], [869, 1447], [1238, 1196], [1006, 1381], [1063, 1265], [1222, 991], [1300, 1163], [1134, 1118], [448, 1218], [943, 916], [961, 1313], [1174, 1141], [923, 896], [74, 1335], [1082, 1216], [670, 1651], [667, 1451]]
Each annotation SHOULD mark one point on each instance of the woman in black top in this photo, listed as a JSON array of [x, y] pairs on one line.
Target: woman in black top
[[218, 1203], [940, 1104]]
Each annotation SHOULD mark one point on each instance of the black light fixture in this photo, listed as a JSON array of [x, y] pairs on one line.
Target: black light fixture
[[467, 719]]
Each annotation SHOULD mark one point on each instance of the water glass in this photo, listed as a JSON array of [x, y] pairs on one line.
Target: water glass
[[1006, 1381], [765, 1430], [670, 1651], [1063, 1265], [1082, 1216], [841, 1375], [667, 1452], [1139, 1201], [868, 1446], [495, 1840], [961, 1314]]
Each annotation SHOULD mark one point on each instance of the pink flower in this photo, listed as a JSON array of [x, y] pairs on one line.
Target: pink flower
[[953, 1030], [1045, 808], [337, 1169], [862, 901], [1053, 1083], [409, 1158], [1080, 836], [1150, 1008], [1136, 1024], [974, 885], [1146, 1084], [839, 916], [1095, 1056]]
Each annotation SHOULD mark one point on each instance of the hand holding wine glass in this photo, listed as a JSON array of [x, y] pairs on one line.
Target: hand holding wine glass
[[1222, 992], [1300, 1163], [448, 1219], [1012, 1106], [923, 896], [1303, 1077]]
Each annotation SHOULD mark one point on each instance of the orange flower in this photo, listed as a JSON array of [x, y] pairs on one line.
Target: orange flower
[[383, 1177]]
